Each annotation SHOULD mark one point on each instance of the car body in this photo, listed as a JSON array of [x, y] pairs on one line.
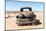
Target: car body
[[26, 19]]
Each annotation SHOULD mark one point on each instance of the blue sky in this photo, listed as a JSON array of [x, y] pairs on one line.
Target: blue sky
[[15, 6]]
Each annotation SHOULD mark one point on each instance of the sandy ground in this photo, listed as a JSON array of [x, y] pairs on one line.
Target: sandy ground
[[11, 22]]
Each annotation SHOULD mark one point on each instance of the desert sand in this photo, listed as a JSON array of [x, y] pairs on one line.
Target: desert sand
[[11, 22]]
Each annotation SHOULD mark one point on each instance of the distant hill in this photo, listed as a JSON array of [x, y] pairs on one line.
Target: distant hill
[[19, 11]]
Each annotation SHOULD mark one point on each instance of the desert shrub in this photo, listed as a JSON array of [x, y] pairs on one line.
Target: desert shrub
[[24, 20]]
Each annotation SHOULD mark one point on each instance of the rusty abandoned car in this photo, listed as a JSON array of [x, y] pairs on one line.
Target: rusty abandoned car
[[28, 19]]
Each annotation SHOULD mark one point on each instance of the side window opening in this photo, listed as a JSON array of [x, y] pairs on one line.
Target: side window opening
[[25, 9]]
